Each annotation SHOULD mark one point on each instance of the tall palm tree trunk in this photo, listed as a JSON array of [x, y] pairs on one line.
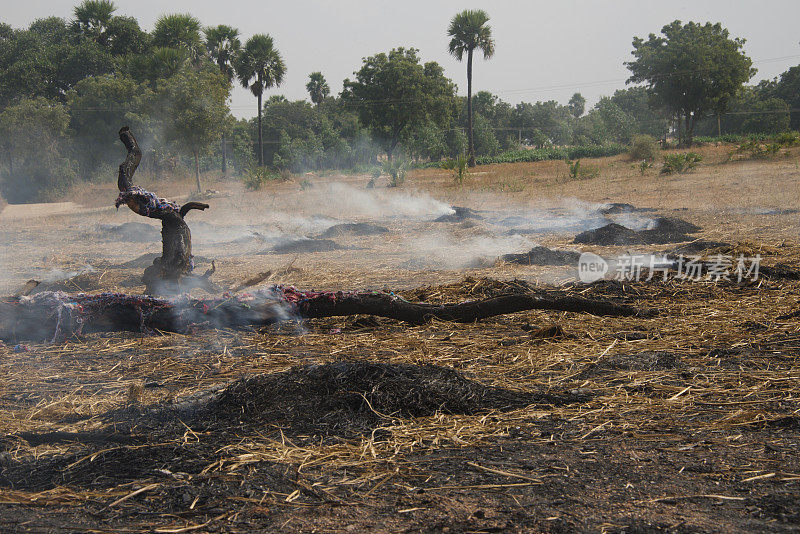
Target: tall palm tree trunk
[[260, 142], [471, 149]]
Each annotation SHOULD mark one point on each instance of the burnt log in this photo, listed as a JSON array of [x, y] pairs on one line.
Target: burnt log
[[389, 306], [53, 316], [171, 273]]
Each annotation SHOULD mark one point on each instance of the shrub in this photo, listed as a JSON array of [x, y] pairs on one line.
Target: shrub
[[644, 148], [754, 148], [788, 138], [643, 166], [680, 163], [460, 167], [582, 172], [255, 177], [396, 169], [544, 154]]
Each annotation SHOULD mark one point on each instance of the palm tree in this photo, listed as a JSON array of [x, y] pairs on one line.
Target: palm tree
[[92, 18], [179, 31], [258, 67], [222, 43], [317, 87], [469, 31], [165, 61]]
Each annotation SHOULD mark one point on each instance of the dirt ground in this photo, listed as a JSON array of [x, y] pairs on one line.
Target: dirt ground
[[683, 420]]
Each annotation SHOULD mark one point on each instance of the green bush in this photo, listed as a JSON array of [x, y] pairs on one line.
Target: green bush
[[681, 163], [460, 167], [644, 148], [788, 139], [255, 177], [643, 166], [551, 153], [582, 172], [544, 154], [396, 169], [765, 148]]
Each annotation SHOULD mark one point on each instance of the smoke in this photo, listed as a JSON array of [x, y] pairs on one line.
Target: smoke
[[635, 222], [339, 200], [50, 276], [437, 250]]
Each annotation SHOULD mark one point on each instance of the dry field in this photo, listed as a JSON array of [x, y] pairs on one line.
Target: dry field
[[684, 420]]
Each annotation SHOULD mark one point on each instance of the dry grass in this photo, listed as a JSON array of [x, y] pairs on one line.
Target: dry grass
[[703, 396]]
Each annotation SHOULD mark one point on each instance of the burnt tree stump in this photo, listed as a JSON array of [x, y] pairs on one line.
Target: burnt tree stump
[[171, 273]]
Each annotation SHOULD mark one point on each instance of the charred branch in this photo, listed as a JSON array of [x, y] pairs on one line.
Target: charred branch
[[57, 316]]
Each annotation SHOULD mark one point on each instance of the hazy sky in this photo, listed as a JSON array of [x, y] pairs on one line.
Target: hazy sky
[[544, 50]]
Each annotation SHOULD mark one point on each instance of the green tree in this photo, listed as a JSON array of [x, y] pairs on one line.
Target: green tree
[[97, 106], [468, 31], [222, 43], [427, 141], [164, 62], [258, 67], [635, 101], [553, 119], [691, 70], [577, 105], [92, 18], [317, 87], [195, 110], [486, 143], [124, 36], [768, 116], [46, 60], [610, 123], [787, 88], [179, 30], [34, 130], [394, 94]]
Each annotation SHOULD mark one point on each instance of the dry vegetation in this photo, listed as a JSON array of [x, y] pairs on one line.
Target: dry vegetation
[[685, 421]]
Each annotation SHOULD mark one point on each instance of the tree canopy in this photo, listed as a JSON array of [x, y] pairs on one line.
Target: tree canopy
[[317, 87], [393, 93], [690, 70]]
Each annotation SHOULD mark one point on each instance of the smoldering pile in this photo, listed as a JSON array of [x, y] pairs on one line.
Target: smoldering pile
[[353, 229], [459, 214], [543, 256], [662, 230]]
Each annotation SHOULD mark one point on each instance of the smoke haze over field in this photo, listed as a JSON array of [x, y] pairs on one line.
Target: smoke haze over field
[[342, 200], [545, 50]]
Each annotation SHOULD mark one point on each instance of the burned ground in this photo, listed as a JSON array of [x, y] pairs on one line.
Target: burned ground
[[358, 418], [685, 420], [305, 245]]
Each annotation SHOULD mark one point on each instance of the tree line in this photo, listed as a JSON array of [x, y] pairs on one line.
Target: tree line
[[66, 86]]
